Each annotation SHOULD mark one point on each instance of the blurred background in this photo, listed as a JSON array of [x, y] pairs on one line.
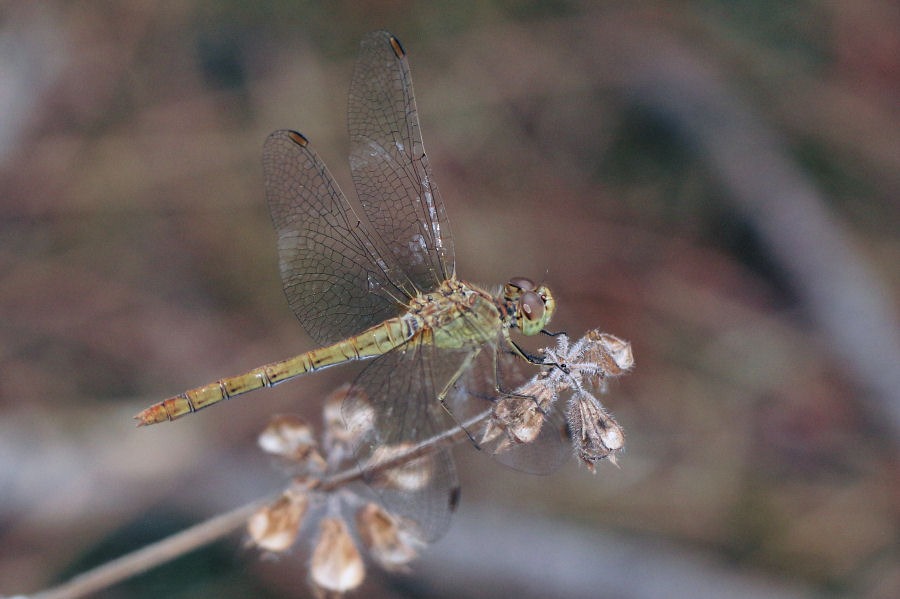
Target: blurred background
[[714, 180]]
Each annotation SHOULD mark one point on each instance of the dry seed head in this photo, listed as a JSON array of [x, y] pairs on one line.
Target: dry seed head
[[336, 565], [386, 538], [521, 417], [348, 413], [575, 368], [579, 367], [611, 353], [331, 411], [291, 437], [275, 527], [512, 417], [595, 435], [539, 392]]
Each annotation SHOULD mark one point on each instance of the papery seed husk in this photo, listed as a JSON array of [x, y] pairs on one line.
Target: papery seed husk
[[595, 434], [491, 431], [331, 410], [285, 434], [620, 350], [520, 417], [410, 475], [612, 354], [539, 392], [275, 527], [598, 425], [336, 563], [611, 433], [385, 538], [348, 413]]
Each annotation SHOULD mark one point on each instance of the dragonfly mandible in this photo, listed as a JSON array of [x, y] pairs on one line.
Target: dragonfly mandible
[[380, 285]]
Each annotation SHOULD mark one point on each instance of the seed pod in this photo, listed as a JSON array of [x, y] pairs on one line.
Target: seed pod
[[595, 435], [522, 417], [409, 475], [348, 413], [336, 565], [385, 536], [275, 527], [291, 437], [611, 353]]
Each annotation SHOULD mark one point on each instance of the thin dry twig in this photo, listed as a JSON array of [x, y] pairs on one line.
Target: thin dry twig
[[152, 555]]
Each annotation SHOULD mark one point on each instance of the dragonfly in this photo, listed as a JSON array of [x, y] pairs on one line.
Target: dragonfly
[[380, 283]]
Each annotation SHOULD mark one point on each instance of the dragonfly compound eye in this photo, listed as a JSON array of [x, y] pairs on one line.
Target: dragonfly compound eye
[[532, 305]]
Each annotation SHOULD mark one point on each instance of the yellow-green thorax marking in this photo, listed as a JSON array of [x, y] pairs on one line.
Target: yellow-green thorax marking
[[456, 314]]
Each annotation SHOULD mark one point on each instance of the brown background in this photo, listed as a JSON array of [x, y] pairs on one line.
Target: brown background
[[715, 181]]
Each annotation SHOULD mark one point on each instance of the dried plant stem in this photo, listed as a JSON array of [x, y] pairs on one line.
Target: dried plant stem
[[152, 555], [217, 527]]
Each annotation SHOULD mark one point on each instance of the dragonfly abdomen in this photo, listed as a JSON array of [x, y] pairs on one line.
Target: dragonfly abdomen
[[371, 342]]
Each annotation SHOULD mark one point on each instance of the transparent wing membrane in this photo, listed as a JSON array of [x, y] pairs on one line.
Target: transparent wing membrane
[[390, 170], [334, 283], [392, 408]]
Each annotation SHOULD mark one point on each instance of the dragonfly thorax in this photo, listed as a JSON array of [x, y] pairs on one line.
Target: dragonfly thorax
[[531, 305], [457, 314]]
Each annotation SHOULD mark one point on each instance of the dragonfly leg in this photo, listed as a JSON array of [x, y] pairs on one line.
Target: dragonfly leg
[[536, 360], [500, 392], [443, 394], [518, 351], [549, 334], [459, 424]]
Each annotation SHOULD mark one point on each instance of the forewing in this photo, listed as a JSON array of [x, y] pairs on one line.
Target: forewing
[[390, 170], [333, 278]]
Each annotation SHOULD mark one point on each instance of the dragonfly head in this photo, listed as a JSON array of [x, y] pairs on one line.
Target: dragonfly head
[[534, 305]]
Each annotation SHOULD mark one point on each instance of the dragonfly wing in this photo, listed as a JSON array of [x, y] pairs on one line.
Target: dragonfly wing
[[542, 456], [393, 408], [334, 279], [422, 493], [390, 170]]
